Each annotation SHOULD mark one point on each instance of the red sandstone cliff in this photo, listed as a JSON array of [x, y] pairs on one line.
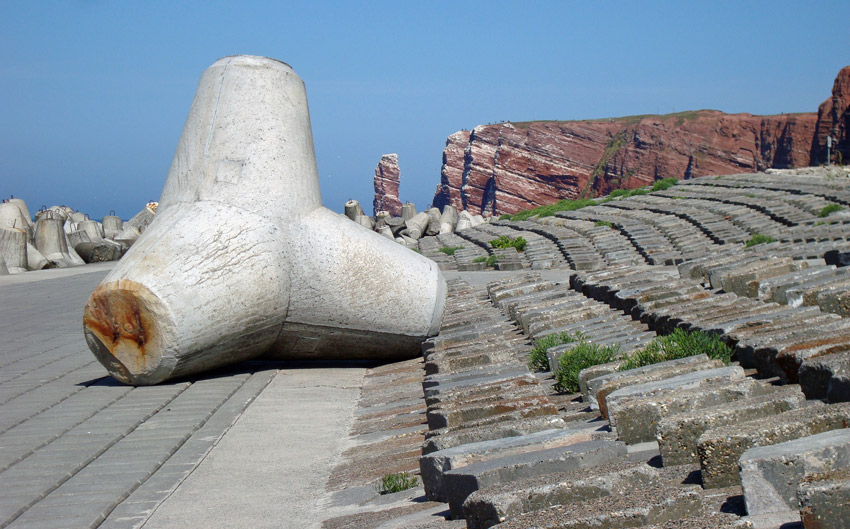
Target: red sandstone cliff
[[834, 120], [507, 167], [387, 179]]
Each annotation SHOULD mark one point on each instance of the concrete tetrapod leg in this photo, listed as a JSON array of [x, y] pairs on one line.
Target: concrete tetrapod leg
[[241, 259]]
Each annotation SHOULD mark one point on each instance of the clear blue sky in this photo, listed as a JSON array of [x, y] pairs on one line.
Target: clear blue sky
[[94, 94]]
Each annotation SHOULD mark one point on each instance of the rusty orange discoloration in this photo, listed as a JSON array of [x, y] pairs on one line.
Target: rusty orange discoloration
[[817, 343], [119, 318]]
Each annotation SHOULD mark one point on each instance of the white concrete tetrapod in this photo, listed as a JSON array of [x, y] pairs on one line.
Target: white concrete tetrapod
[[408, 210], [241, 260], [449, 216], [12, 217], [416, 225], [51, 241], [13, 249], [433, 222], [91, 228], [23, 207], [353, 210], [112, 226]]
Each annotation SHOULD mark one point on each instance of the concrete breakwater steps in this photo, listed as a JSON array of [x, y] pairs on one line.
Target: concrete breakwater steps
[[503, 448]]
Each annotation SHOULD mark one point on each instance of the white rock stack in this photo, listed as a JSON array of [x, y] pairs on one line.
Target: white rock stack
[[242, 260]]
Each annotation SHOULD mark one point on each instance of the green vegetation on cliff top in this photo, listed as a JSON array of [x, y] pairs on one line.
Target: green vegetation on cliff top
[[688, 115]]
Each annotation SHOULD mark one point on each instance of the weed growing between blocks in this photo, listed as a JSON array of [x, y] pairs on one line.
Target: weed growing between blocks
[[392, 483], [506, 242], [678, 344], [758, 238], [829, 208], [450, 250]]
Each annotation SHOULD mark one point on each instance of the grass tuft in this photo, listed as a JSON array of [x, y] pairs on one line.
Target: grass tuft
[[537, 359], [396, 483], [678, 344], [582, 356], [506, 242], [603, 223], [828, 209], [758, 238], [664, 183], [450, 250]]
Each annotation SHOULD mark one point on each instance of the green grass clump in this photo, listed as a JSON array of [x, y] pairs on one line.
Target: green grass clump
[[506, 242], [505, 217], [829, 208], [551, 209], [678, 344], [758, 238], [664, 183], [450, 250], [488, 261], [537, 359], [396, 483], [603, 223], [582, 356]]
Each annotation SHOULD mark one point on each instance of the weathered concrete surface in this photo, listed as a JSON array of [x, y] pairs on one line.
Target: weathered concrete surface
[[770, 475], [825, 500], [720, 448], [242, 201], [266, 471], [462, 482]]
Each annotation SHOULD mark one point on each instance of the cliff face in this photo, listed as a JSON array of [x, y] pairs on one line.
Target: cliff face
[[387, 179], [834, 120], [507, 167]]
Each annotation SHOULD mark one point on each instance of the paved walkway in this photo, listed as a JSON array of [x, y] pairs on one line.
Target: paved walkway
[[78, 449]]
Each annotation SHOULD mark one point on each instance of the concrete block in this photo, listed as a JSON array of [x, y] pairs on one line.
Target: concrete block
[[677, 434], [640, 508], [455, 415], [462, 482], [434, 465], [242, 202], [637, 419], [771, 475], [824, 500], [442, 439], [601, 388], [492, 505], [825, 377], [720, 448]]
